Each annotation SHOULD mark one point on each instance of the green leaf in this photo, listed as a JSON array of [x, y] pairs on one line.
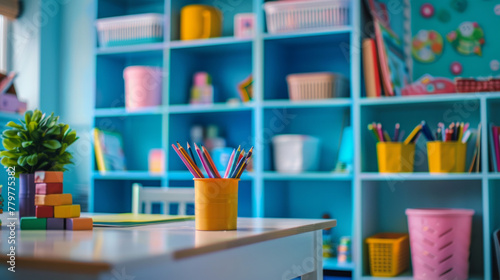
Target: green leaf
[[10, 133], [52, 144], [14, 125], [8, 162], [7, 154], [11, 143], [27, 143], [27, 116], [36, 116], [53, 131], [42, 165], [70, 138], [32, 160], [32, 126], [21, 160]]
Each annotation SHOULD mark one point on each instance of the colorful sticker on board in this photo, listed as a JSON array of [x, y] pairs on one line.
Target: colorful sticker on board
[[467, 39], [427, 46], [427, 10], [459, 5], [456, 68], [494, 65]]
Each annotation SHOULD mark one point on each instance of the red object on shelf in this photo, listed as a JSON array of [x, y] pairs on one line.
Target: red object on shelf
[[473, 85], [43, 211]]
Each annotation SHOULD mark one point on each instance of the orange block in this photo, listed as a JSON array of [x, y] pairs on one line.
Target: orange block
[[79, 224], [67, 211], [48, 177], [54, 199]]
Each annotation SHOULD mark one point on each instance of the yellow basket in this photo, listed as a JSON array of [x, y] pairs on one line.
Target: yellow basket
[[394, 157], [389, 253], [444, 157]]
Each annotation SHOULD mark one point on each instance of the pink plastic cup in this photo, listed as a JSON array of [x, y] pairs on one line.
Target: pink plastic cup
[[143, 86], [440, 243]]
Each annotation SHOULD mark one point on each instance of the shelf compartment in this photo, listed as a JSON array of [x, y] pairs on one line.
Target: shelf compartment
[[209, 43], [113, 8], [125, 50], [235, 127], [420, 99], [328, 53], [333, 264], [228, 8], [419, 176], [333, 102], [311, 176], [126, 175], [228, 66], [110, 85], [120, 191], [289, 199], [383, 206], [299, 121], [124, 112], [209, 108], [409, 116], [139, 136]]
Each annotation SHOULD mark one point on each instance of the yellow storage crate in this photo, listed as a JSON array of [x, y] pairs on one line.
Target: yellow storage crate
[[389, 253]]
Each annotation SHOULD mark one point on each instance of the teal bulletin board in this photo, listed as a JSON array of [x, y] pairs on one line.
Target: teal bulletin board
[[445, 16]]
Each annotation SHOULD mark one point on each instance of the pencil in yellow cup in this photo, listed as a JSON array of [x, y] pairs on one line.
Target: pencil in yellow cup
[[216, 203]]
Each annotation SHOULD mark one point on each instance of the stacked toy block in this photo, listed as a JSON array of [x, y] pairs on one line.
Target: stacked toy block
[[54, 209]]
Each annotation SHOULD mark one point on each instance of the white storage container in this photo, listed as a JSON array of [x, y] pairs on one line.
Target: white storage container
[[317, 86], [296, 153], [128, 30], [289, 16]]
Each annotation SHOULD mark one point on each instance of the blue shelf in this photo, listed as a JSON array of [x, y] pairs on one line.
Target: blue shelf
[[338, 30], [494, 176], [334, 102], [123, 112], [212, 42], [130, 49], [375, 176], [307, 176], [127, 175], [186, 175], [333, 264], [408, 275], [10, 116], [217, 107], [437, 98]]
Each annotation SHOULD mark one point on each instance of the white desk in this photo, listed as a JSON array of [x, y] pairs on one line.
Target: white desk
[[259, 249]]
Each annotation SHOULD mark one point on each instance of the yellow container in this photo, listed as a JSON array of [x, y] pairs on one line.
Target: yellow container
[[394, 157], [200, 22], [445, 157], [389, 254], [216, 203]]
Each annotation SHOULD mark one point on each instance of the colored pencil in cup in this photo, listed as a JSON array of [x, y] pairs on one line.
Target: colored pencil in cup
[[238, 159], [184, 160], [466, 136], [427, 131], [238, 175], [238, 166], [379, 131], [374, 133], [229, 164], [387, 138], [413, 134], [205, 165], [211, 162], [192, 154], [189, 160], [396, 133]]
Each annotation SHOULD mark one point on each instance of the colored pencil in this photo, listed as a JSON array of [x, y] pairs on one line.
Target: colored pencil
[[379, 131], [448, 135], [211, 162], [238, 175], [235, 160], [212, 171], [185, 162], [426, 131], [240, 163], [401, 136], [375, 134], [412, 135], [461, 132], [229, 164], [191, 153], [205, 165], [387, 138], [438, 134], [238, 159], [466, 126], [190, 161], [466, 136], [396, 132]]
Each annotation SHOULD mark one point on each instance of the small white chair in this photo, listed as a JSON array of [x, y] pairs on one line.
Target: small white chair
[[165, 196]]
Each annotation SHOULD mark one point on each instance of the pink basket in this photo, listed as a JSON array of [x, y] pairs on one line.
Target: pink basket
[[143, 86], [440, 241]]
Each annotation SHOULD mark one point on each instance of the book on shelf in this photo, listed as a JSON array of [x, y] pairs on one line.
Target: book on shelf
[[494, 146], [109, 151], [370, 68], [475, 165]]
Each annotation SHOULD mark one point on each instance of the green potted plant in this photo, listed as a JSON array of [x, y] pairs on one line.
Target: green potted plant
[[37, 143]]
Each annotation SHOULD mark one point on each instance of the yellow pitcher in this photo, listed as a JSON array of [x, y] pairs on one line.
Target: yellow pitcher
[[200, 22]]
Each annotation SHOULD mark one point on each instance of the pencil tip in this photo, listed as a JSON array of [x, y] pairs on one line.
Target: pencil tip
[[188, 145]]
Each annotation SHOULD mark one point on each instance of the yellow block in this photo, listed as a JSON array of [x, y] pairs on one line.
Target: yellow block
[[394, 157], [445, 157], [67, 211], [54, 199]]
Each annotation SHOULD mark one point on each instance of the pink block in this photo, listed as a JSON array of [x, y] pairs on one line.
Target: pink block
[[143, 86]]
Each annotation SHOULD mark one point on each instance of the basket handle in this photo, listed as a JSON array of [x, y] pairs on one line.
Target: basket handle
[[207, 24]]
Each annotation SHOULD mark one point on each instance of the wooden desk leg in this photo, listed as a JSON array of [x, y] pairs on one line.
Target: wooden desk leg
[[317, 274]]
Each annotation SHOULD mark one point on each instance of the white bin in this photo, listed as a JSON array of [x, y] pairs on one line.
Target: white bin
[[296, 153]]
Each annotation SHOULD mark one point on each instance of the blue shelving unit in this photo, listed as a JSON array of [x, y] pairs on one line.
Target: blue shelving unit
[[364, 202]]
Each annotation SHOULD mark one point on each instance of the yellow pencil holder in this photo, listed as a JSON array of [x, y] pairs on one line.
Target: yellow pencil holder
[[394, 157], [446, 157], [215, 203]]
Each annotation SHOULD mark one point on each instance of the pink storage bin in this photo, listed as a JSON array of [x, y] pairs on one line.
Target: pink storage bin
[[440, 242], [143, 86]]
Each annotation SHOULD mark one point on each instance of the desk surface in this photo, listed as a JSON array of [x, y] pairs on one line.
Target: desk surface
[[102, 248]]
